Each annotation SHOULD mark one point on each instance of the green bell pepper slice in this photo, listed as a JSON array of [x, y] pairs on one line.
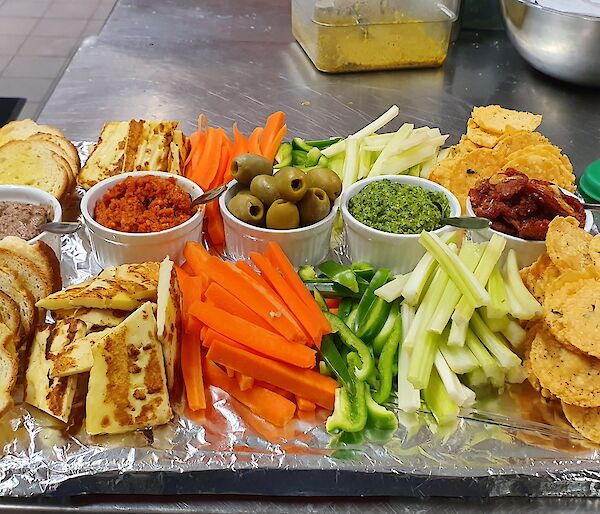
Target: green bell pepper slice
[[320, 300], [335, 362], [353, 361], [345, 308], [330, 289], [283, 156], [384, 334], [349, 410], [363, 270], [387, 361], [307, 272], [349, 339], [343, 275], [378, 416], [323, 143], [372, 310]]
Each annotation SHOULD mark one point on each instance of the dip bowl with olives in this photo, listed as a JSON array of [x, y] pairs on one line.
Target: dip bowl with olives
[[294, 208], [384, 217]]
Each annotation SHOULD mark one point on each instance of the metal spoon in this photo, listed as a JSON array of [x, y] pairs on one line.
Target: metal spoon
[[68, 227], [591, 206], [472, 223]]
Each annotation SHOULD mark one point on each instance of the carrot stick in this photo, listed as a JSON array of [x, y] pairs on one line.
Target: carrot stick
[[264, 403], [251, 336], [305, 405], [292, 300], [192, 288], [275, 254], [255, 296], [212, 335], [240, 146], [215, 228], [219, 297], [271, 150], [224, 154], [254, 141], [248, 270], [191, 364], [275, 389], [230, 372], [244, 381], [305, 383], [193, 326], [196, 257], [197, 152], [332, 303], [187, 268]]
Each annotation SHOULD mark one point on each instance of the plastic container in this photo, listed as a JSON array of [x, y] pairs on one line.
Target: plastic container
[[113, 248], [589, 186], [527, 251], [304, 245], [397, 252], [361, 35]]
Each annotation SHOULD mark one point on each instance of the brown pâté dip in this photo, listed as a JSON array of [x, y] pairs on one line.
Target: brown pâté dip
[[23, 219]]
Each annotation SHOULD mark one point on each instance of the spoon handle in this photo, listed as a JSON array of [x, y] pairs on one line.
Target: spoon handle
[[472, 223]]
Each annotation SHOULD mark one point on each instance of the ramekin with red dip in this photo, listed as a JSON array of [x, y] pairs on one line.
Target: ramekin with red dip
[[141, 216]]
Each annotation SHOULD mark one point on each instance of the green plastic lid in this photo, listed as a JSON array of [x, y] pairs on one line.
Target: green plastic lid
[[589, 185]]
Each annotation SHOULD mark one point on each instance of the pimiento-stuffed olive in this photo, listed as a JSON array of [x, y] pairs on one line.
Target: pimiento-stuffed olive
[[283, 215], [265, 189], [247, 166], [291, 183], [327, 180], [314, 206], [247, 207]]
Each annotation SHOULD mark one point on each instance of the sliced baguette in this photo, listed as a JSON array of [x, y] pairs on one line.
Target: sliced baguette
[[22, 129], [9, 367], [32, 164], [10, 315], [40, 253], [65, 149], [23, 299], [29, 275]]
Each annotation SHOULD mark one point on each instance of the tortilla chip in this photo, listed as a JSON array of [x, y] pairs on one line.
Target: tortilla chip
[[543, 167], [497, 120], [585, 420], [537, 276], [479, 136], [515, 140], [571, 376], [465, 145], [568, 245], [594, 252]]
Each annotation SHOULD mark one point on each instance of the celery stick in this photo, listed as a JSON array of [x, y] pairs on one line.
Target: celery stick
[[426, 309], [515, 333], [337, 164], [443, 408], [408, 316], [498, 307], [409, 398], [470, 397], [494, 344], [459, 358], [378, 139], [516, 375], [488, 364], [371, 128], [417, 283], [458, 334], [351, 163], [470, 256], [393, 289], [421, 360], [415, 171], [477, 377], [495, 324], [454, 267], [373, 148], [397, 164], [397, 144], [450, 380], [364, 162], [443, 154], [525, 305], [489, 259]]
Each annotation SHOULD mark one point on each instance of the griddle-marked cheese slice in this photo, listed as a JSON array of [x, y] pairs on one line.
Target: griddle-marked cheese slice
[[145, 274], [127, 389], [93, 318], [168, 319], [75, 355], [51, 395], [64, 348]]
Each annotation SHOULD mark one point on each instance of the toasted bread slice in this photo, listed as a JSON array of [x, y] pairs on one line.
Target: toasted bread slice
[[65, 149], [22, 129], [29, 275], [9, 367], [39, 253], [51, 395], [168, 319], [9, 284], [10, 315], [30, 163], [127, 389]]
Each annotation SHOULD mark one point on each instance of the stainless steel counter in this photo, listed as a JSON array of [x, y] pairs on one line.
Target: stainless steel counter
[[237, 61]]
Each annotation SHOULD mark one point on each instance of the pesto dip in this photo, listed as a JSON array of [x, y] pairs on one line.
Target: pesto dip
[[399, 208]]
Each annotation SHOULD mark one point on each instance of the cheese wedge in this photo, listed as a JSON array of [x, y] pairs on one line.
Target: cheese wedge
[[51, 395], [127, 389], [168, 319], [75, 356]]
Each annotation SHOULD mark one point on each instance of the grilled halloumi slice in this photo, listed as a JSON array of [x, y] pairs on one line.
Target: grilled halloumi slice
[[168, 319], [93, 317], [127, 389], [64, 348], [51, 395], [76, 355], [145, 274]]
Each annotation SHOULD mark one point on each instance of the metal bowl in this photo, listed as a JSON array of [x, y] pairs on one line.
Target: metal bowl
[[562, 45]]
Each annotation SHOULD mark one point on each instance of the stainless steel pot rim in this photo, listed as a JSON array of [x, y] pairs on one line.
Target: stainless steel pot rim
[[535, 5]]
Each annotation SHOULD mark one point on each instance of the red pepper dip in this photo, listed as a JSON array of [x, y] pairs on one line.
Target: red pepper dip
[[523, 207], [144, 204]]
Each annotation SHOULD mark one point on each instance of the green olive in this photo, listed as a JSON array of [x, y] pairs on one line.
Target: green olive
[[283, 215], [314, 206], [327, 180], [246, 207], [247, 166], [291, 183], [265, 189]]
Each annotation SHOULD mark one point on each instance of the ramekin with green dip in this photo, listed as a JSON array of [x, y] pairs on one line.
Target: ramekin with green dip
[[384, 217]]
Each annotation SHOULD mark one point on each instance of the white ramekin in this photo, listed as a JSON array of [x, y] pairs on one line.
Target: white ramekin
[[304, 245], [397, 252], [35, 196], [113, 248], [527, 251]]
